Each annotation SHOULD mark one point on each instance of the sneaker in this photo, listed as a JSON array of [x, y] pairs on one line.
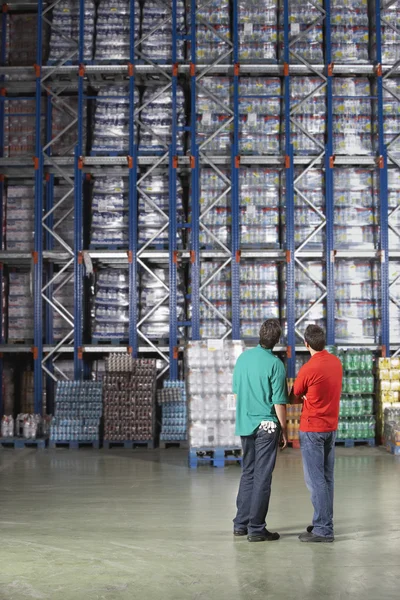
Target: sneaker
[[310, 537], [310, 528], [264, 536], [239, 532]]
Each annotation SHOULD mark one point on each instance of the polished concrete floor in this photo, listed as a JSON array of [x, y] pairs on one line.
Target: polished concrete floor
[[127, 525]]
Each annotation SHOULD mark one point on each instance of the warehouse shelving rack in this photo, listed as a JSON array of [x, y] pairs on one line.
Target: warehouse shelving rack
[[52, 82]]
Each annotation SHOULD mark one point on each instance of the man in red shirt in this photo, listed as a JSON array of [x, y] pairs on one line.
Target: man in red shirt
[[319, 385]]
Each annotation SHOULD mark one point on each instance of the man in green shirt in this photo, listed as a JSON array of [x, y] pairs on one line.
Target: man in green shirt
[[259, 384]]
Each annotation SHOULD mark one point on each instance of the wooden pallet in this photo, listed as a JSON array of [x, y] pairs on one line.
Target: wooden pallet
[[19, 443], [128, 444], [217, 457], [164, 444], [74, 444]]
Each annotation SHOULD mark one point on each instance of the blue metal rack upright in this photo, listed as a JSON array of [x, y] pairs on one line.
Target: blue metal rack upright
[[235, 166]]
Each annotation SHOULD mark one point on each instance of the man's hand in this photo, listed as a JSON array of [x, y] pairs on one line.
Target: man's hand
[[283, 441]]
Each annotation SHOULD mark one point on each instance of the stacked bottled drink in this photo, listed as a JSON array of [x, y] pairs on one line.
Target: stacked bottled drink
[[173, 401], [309, 286], [309, 208], [394, 310], [63, 295], [352, 112], [111, 121], [259, 108], [212, 44], [258, 296], [357, 292], [110, 212], [21, 39], [111, 304], [65, 24], [64, 117], [349, 31], [20, 307], [129, 387], [214, 115], [393, 187], [215, 215], [154, 213], [211, 404], [19, 218], [390, 38], [309, 114], [156, 119], [259, 207], [357, 419], [154, 290], [391, 116], [356, 213], [306, 18], [157, 31], [113, 30], [258, 30], [391, 428], [78, 410]]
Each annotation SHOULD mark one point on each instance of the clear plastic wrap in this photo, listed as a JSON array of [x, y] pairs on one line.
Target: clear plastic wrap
[[352, 132], [65, 24], [111, 121], [111, 304], [113, 30], [258, 30], [156, 121], [212, 45], [350, 31], [307, 18], [157, 31], [259, 108]]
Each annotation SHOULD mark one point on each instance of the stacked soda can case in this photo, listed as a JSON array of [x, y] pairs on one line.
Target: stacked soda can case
[[154, 291], [211, 404], [308, 287], [110, 212], [390, 39], [156, 120], [350, 31], [212, 45], [309, 192], [65, 24], [258, 30], [304, 17], [357, 291], [157, 45], [20, 307], [309, 114], [173, 402], [129, 389], [113, 30], [111, 121], [357, 419], [352, 110], [19, 219], [388, 393], [78, 410], [63, 217], [355, 217], [63, 297], [259, 108], [111, 304], [154, 211], [21, 39], [391, 116], [19, 127]]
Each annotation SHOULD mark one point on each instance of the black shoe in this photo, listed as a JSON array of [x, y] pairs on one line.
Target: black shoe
[[310, 528], [310, 537], [265, 536], [239, 532]]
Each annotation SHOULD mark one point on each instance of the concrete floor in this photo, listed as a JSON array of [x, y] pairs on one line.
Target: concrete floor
[[127, 525]]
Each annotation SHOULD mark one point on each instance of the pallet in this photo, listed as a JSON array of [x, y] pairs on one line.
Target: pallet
[[393, 448], [74, 444], [217, 457], [122, 247], [17, 442], [128, 444], [357, 442], [164, 444], [110, 341]]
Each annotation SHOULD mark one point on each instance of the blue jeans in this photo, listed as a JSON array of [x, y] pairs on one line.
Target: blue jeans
[[259, 457], [318, 451]]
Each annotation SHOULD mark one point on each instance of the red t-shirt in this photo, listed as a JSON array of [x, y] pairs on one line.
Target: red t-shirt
[[320, 381]]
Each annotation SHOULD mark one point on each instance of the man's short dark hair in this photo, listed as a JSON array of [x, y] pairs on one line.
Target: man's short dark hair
[[270, 333], [315, 337]]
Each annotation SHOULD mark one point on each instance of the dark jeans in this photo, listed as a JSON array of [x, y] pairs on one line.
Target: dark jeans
[[318, 451], [259, 457]]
